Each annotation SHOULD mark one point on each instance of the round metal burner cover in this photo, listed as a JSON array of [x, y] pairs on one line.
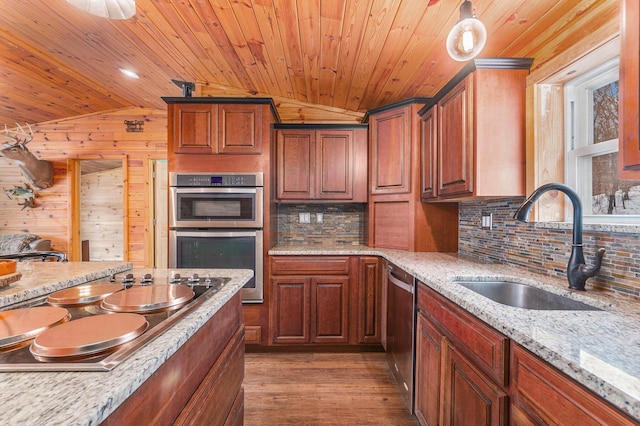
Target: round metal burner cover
[[82, 295], [20, 325], [88, 336], [148, 298]]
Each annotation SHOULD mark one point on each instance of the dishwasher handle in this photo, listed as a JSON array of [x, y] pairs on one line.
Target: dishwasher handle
[[398, 282]]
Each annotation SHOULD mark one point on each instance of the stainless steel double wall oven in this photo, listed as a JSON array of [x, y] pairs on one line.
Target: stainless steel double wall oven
[[216, 221]]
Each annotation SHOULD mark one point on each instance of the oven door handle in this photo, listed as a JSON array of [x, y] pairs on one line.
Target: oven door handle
[[399, 283]]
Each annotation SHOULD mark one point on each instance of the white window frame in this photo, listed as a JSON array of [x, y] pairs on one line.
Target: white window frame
[[579, 146]]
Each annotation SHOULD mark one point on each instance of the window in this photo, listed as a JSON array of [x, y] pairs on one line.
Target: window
[[591, 138]]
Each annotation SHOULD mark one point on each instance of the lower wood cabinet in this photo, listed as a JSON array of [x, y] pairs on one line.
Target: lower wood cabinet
[[460, 366], [310, 310], [469, 397], [428, 371], [543, 395], [325, 300], [469, 374], [199, 384], [369, 300]]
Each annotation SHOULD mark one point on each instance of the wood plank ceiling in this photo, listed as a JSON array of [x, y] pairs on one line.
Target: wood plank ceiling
[[321, 60]]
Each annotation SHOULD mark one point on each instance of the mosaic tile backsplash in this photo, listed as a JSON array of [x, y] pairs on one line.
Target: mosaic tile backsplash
[[546, 249], [542, 249], [342, 224]]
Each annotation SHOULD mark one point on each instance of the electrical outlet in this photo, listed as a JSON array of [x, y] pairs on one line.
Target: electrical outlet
[[304, 218], [486, 221], [319, 217]]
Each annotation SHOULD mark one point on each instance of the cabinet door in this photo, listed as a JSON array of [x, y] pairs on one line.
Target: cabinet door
[[369, 300], [290, 310], [194, 128], [391, 152], [295, 156], [428, 372], [455, 141], [428, 151], [330, 309], [469, 397], [629, 141], [239, 129], [334, 164]]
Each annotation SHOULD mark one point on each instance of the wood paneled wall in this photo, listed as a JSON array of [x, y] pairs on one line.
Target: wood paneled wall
[[89, 137], [101, 216]]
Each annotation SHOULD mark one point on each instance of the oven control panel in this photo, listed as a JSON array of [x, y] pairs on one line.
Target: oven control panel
[[225, 180]]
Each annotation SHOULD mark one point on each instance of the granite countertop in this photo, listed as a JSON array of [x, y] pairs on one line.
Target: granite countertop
[[600, 349], [87, 398], [40, 278]]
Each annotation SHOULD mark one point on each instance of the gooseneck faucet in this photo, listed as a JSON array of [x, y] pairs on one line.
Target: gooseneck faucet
[[577, 271]]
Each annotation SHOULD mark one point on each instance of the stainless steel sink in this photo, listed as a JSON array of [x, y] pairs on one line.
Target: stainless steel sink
[[524, 296]]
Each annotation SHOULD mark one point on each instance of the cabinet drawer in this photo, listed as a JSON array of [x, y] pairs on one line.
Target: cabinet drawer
[[485, 346], [312, 265]]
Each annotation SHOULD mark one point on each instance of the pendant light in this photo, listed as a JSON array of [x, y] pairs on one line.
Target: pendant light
[[467, 38], [111, 9]]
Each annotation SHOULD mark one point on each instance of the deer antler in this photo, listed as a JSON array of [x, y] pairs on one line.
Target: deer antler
[[27, 137]]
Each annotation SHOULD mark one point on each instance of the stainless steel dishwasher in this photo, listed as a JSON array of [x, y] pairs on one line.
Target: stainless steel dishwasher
[[400, 324]]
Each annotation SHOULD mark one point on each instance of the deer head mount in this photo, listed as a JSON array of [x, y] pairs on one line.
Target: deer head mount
[[38, 172]]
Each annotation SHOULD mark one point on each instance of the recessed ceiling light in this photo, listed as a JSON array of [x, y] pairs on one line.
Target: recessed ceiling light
[[129, 73]]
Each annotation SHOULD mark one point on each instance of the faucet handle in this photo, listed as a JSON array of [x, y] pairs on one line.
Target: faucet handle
[[591, 271]]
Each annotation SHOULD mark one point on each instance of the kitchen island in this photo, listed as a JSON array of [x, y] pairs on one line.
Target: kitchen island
[[598, 349], [44, 398]]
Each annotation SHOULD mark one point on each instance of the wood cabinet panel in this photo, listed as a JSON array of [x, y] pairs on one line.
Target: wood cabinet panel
[[334, 164], [329, 309], [550, 397], [481, 343], [213, 403], [428, 371], [429, 155], [391, 151], [390, 225], [239, 129], [469, 397], [193, 128], [295, 155], [629, 123], [369, 300], [290, 310], [161, 399], [455, 142]]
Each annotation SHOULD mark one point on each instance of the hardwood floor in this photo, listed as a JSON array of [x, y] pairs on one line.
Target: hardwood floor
[[321, 389]]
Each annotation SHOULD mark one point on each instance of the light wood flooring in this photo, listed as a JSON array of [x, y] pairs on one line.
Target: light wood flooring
[[322, 389]]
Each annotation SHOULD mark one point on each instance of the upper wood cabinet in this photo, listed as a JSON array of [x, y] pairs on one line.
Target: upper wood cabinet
[[473, 133], [629, 141], [429, 154], [193, 128], [239, 129], [391, 150], [217, 125], [397, 217], [321, 164]]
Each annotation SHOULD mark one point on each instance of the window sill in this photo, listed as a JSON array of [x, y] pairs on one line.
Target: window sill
[[592, 227]]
